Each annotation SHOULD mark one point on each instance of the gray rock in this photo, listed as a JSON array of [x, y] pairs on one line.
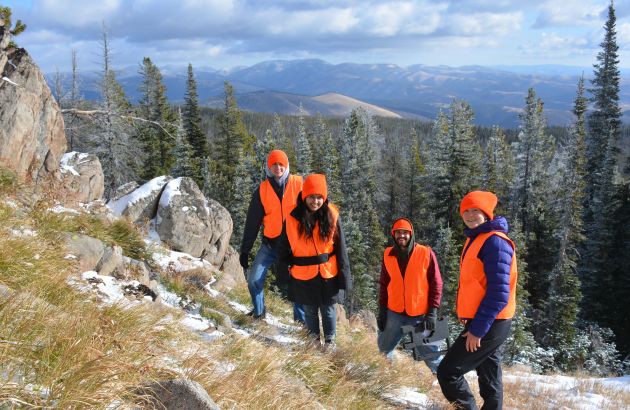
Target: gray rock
[[178, 394], [232, 271], [138, 270], [142, 202], [111, 264], [87, 249], [82, 176], [32, 137], [221, 225], [183, 220]]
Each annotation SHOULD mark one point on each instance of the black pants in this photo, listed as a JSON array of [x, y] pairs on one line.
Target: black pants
[[486, 361]]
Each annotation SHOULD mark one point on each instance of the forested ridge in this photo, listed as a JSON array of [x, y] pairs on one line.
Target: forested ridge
[[565, 191]]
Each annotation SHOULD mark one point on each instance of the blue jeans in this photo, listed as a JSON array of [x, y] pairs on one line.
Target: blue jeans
[[298, 313], [256, 276], [389, 338], [329, 320]]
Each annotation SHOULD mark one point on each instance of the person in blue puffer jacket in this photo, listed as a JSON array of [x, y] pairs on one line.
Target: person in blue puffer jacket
[[486, 303]]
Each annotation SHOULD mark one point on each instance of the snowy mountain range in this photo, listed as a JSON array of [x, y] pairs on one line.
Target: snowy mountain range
[[497, 94]]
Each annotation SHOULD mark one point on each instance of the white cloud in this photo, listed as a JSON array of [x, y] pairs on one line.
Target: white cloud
[[570, 13], [485, 24], [623, 34]]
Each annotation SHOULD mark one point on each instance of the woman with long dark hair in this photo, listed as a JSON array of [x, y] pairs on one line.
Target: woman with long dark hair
[[316, 251]]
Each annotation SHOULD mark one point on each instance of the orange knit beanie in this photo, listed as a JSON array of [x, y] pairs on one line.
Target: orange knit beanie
[[315, 184], [486, 201], [277, 156]]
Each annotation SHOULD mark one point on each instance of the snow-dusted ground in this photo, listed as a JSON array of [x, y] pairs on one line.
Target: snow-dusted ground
[[569, 392]]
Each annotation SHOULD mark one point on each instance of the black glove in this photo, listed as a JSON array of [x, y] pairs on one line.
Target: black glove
[[431, 319], [381, 320], [244, 260]]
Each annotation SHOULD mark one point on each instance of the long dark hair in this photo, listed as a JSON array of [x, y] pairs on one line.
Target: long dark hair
[[308, 219]]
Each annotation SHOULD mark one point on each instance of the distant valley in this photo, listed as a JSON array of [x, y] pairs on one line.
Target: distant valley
[[496, 94]]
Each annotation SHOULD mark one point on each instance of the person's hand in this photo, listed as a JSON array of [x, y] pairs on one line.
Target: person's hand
[[244, 260], [431, 319], [472, 342], [381, 320]]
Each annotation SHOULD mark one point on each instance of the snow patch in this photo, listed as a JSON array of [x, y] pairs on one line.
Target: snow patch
[[23, 233], [64, 164], [58, 209], [117, 207], [180, 262], [170, 191], [408, 397]]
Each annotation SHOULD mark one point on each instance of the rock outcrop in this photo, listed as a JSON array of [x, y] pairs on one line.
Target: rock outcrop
[[178, 394], [183, 219], [82, 176], [138, 203], [221, 225], [32, 137]]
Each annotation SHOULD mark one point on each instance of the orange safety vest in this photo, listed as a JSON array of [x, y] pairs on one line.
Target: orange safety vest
[[473, 282], [410, 294], [303, 247], [275, 211]]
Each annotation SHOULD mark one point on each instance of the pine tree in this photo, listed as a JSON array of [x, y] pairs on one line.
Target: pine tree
[[465, 164], [192, 118], [244, 185], [184, 165], [157, 140], [326, 159], [454, 166], [233, 141], [417, 196], [602, 201], [562, 304], [534, 150], [438, 174], [5, 19], [262, 148], [521, 347], [530, 205], [358, 192], [498, 168], [391, 167], [303, 147]]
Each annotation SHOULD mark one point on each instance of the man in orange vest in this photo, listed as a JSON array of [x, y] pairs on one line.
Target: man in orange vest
[[486, 302], [271, 202], [410, 291]]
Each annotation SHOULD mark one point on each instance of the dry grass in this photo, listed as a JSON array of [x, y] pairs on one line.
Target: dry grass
[[58, 349], [63, 349]]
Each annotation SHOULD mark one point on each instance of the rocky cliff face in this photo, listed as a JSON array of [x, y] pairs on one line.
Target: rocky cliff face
[[32, 138]]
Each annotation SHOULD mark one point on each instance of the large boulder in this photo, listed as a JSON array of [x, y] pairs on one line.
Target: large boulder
[[32, 137], [139, 203], [82, 176], [183, 219], [177, 394], [220, 222], [232, 271]]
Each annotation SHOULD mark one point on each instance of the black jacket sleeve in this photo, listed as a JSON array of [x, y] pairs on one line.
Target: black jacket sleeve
[[343, 263], [284, 254], [255, 214]]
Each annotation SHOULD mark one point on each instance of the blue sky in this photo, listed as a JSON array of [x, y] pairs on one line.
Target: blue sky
[[226, 33]]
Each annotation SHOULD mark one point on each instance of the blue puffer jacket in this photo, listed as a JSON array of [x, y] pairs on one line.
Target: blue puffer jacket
[[496, 255]]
